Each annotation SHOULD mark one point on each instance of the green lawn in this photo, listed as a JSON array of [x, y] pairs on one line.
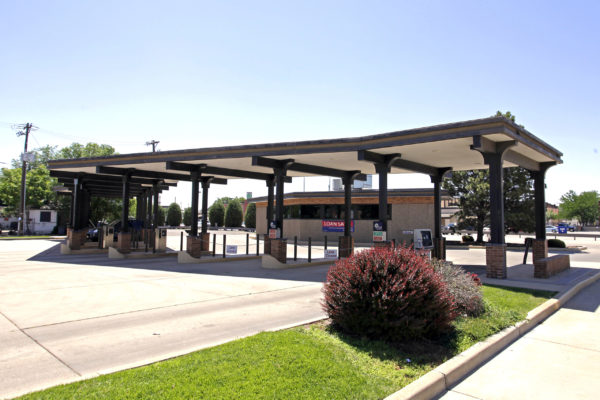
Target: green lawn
[[311, 362]]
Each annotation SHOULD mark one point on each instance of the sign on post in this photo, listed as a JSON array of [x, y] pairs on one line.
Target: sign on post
[[330, 253], [331, 225], [379, 236], [231, 249]]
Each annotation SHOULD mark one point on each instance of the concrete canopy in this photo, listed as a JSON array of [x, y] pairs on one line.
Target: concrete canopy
[[441, 146]]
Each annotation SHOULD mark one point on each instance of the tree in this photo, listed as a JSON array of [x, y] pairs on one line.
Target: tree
[[583, 207], [39, 188], [187, 216], [250, 217], [473, 190], [77, 150], [162, 217], [174, 215], [234, 214], [216, 213]]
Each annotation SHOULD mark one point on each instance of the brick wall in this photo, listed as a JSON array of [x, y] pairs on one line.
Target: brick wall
[[495, 256], [124, 242], [550, 266], [540, 249], [279, 249]]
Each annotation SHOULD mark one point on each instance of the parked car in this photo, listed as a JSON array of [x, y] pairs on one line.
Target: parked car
[[570, 228], [92, 234], [449, 229], [551, 229]]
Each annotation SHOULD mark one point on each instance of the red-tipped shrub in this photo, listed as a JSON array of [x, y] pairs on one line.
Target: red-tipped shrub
[[388, 294]]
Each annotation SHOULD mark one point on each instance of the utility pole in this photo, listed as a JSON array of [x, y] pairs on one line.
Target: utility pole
[[25, 130], [153, 143]]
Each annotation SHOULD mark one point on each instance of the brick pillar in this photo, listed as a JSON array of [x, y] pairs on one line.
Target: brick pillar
[[540, 249], [267, 245], [386, 244], [346, 246], [495, 255], [195, 245], [279, 249], [205, 241], [124, 242], [75, 238], [439, 248]]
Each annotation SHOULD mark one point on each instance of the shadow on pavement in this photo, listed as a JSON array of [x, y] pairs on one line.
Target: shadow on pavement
[[243, 268]]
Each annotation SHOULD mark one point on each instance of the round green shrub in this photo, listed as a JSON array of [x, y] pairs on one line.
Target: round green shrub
[[234, 214], [187, 216], [174, 215], [216, 213], [387, 294], [250, 217], [556, 243], [467, 239], [464, 287]]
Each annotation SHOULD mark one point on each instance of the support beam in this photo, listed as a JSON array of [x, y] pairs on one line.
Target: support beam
[[270, 195], [195, 189], [205, 169], [539, 186], [205, 186], [307, 168], [125, 210], [347, 180]]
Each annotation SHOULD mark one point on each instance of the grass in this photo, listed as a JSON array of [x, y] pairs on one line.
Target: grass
[[310, 362]]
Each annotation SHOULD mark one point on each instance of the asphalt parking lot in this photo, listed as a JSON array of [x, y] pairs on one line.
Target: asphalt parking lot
[[64, 317]]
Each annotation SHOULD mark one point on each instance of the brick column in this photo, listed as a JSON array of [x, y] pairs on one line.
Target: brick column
[[124, 242], [346, 246], [439, 248], [279, 249], [540, 249], [386, 244], [495, 255], [267, 245], [75, 238], [195, 245]]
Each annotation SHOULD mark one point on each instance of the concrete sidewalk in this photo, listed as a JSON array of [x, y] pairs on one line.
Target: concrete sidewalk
[[558, 359]]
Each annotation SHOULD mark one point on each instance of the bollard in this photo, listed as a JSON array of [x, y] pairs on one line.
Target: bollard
[[309, 250], [295, 248], [214, 244], [393, 243], [257, 243], [325, 243], [247, 243], [181, 242], [224, 243]]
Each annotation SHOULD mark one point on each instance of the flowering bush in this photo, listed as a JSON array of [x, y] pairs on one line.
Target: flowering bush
[[388, 294], [463, 286]]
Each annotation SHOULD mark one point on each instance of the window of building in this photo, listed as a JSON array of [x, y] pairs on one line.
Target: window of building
[[45, 216]]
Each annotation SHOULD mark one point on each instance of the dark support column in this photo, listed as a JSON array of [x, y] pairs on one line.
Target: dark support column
[[493, 153], [138, 207], [75, 203], [346, 242], [143, 203], [270, 194], [125, 210], [195, 188], [124, 237], [439, 242], [382, 170], [279, 176], [540, 245], [155, 191], [205, 186]]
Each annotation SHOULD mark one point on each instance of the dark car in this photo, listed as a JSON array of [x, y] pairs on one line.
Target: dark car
[[92, 235]]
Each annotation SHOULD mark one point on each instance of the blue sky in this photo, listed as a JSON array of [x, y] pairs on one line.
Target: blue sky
[[196, 74]]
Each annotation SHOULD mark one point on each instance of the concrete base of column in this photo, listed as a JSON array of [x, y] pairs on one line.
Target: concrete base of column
[[439, 248], [124, 242], [267, 249], [279, 249], [495, 255], [539, 249], [76, 238], [346, 246]]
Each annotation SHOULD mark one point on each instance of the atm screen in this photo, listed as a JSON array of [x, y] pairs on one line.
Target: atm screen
[[427, 242]]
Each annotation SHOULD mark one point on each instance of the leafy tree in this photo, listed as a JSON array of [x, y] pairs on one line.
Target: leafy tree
[[162, 216], [583, 207], [38, 192], [234, 214], [187, 216], [216, 213], [77, 150], [250, 217], [174, 215]]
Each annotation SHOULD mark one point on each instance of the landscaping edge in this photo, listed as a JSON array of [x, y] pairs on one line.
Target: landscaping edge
[[444, 376]]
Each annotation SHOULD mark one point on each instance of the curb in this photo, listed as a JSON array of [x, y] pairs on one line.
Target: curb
[[444, 376]]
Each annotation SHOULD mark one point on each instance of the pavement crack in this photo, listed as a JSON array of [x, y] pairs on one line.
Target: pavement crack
[[41, 345], [563, 344]]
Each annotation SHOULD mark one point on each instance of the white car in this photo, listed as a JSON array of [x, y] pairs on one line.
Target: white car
[[551, 229]]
